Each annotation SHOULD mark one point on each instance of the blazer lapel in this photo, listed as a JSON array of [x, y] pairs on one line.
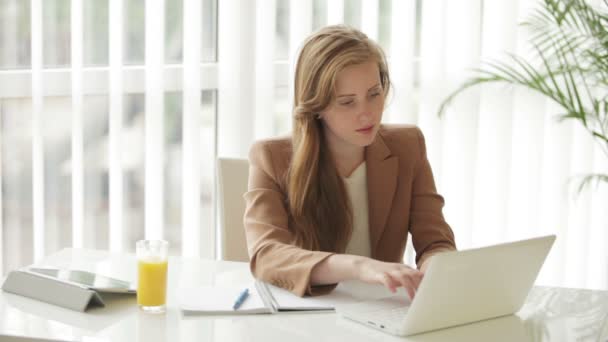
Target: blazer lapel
[[382, 170]]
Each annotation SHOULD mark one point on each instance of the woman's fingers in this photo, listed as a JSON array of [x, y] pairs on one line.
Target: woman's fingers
[[393, 276], [416, 277], [407, 278], [388, 281], [407, 282], [410, 292]]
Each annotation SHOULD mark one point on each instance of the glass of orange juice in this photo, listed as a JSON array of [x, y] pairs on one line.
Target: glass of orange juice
[[152, 256]]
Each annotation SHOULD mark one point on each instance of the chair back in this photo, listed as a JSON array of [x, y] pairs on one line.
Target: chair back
[[233, 175]]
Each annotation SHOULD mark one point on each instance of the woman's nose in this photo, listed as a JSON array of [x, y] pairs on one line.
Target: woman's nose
[[366, 112], [365, 117]]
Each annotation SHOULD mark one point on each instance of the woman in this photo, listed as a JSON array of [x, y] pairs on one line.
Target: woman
[[336, 201]]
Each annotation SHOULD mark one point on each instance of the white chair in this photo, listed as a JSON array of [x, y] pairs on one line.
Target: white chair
[[233, 175]]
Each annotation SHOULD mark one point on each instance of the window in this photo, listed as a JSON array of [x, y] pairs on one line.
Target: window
[[97, 141]]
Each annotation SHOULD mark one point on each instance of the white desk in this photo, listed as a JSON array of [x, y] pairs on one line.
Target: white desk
[[550, 314]]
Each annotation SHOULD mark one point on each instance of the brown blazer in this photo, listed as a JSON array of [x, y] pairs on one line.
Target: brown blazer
[[401, 195]]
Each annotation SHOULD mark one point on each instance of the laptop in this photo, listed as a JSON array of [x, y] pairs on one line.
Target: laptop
[[459, 287]]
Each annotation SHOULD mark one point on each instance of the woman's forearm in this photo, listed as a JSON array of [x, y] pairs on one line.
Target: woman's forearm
[[336, 268]]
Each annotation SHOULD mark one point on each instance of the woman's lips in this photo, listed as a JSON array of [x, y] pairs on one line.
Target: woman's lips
[[367, 129]]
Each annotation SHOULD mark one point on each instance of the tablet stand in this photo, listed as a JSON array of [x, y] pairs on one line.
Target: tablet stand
[[50, 290]]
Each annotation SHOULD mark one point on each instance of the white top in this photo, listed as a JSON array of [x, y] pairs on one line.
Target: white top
[[356, 187]]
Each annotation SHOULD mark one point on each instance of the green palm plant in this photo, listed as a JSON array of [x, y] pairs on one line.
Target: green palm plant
[[570, 40]]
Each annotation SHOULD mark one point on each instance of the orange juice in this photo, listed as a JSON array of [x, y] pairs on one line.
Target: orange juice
[[151, 282]]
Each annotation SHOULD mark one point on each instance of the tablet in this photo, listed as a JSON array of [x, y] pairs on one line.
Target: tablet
[[15, 338], [90, 280]]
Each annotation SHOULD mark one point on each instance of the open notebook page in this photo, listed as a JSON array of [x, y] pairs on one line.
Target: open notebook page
[[214, 300], [344, 293]]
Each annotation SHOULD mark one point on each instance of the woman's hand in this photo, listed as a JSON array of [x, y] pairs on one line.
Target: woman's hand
[[391, 275], [340, 267]]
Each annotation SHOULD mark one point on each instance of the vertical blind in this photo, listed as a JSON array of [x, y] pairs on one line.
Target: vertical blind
[[501, 161], [154, 119], [115, 155], [76, 40], [191, 222], [37, 150]]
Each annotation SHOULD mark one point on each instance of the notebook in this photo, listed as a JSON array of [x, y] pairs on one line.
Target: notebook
[[265, 298]]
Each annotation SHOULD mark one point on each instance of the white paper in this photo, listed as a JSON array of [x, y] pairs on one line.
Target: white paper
[[219, 300], [344, 293]]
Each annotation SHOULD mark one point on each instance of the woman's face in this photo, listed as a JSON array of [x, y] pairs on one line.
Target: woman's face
[[353, 117]]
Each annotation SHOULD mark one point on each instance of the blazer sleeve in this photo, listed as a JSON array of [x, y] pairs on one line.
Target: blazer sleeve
[[430, 232], [273, 256]]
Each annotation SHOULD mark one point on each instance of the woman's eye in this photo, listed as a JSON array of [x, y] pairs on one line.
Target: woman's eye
[[375, 94], [347, 103]]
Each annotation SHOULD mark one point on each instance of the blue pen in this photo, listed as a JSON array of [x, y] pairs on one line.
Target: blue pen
[[240, 299]]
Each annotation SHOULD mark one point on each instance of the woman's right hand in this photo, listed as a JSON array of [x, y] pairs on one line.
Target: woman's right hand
[[340, 267], [391, 275]]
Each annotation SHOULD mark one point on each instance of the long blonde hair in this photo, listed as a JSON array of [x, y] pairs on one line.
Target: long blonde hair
[[317, 199]]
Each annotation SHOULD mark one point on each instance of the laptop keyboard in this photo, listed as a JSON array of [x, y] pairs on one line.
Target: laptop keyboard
[[385, 310], [394, 315]]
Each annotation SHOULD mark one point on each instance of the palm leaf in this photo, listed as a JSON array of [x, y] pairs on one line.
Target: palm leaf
[[589, 179], [471, 83], [570, 66], [573, 93], [600, 136]]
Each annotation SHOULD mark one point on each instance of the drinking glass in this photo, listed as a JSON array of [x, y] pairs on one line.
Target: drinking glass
[[152, 257]]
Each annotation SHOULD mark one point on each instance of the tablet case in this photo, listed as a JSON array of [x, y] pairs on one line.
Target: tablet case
[[68, 295]]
